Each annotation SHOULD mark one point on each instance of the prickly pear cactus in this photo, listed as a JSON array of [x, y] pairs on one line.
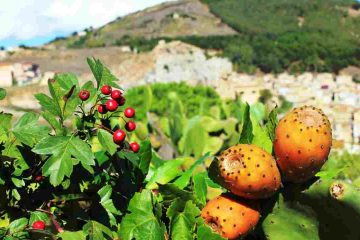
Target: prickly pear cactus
[[290, 220], [337, 205]]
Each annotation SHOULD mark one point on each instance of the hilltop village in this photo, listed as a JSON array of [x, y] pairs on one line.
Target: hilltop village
[[337, 95]]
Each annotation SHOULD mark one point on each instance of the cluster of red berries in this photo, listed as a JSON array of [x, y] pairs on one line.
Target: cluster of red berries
[[111, 105], [120, 135]]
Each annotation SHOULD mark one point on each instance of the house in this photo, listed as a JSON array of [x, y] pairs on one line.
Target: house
[[177, 61], [305, 78], [342, 126], [26, 73], [247, 87], [6, 75], [344, 80]]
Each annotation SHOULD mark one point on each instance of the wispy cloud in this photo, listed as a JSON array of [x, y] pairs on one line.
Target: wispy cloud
[[28, 19]]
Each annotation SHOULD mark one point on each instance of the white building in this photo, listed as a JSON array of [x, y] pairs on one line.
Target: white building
[[6, 75], [177, 61]]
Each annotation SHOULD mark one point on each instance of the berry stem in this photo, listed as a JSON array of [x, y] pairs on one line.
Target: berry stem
[[99, 126], [96, 103], [56, 224]]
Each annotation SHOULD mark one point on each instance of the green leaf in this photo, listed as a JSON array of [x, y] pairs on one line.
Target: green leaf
[[64, 90], [145, 156], [71, 102], [62, 148], [15, 194], [97, 231], [271, 123], [18, 225], [141, 223], [67, 80], [165, 173], [38, 216], [329, 174], [5, 120], [182, 217], [258, 110], [106, 141], [132, 157], [205, 232], [2, 94], [170, 191], [260, 136], [67, 235], [101, 157], [54, 123], [5, 125], [107, 203], [81, 151], [18, 182], [194, 138], [28, 131], [48, 104], [200, 187], [12, 151], [246, 136], [102, 74], [58, 166], [51, 145], [184, 179]]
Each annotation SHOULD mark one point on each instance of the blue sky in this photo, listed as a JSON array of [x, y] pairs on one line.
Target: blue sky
[[35, 22]]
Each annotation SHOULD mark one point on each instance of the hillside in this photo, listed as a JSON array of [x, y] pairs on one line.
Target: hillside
[[266, 35], [170, 19], [271, 35]]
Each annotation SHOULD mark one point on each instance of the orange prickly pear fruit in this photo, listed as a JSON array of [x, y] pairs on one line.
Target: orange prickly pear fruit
[[302, 143], [247, 171], [231, 217]]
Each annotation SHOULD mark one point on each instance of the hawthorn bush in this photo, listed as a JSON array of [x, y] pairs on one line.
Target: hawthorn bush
[[75, 172]]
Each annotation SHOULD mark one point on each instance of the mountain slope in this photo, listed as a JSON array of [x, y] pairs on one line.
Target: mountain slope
[[170, 19]]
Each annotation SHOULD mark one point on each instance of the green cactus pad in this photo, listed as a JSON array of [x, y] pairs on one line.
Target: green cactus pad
[[290, 221], [337, 205]]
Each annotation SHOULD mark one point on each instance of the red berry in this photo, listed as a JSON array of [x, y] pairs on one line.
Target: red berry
[[84, 95], [135, 147], [111, 105], [106, 90], [121, 101], [38, 178], [129, 112], [119, 136], [38, 225], [102, 109], [116, 94], [130, 126]]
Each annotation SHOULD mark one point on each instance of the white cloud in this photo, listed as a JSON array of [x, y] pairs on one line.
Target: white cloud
[[36, 18]]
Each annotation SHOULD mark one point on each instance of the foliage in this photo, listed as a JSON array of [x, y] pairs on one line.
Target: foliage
[[270, 38], [194, 99], [90, 188]]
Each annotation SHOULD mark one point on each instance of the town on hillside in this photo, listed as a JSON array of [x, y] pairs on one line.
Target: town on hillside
[[337, 95]]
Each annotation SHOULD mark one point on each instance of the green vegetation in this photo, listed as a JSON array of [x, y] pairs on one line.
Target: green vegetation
[[195, 99], [274, 35], [300, 35], [73, 182]]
